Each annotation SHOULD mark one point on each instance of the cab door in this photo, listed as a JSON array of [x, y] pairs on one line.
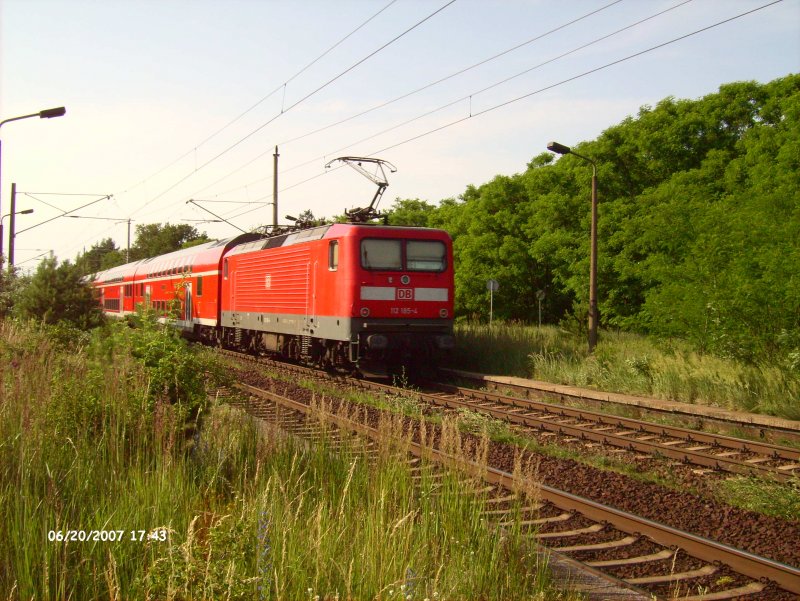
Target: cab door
[[187, 305]]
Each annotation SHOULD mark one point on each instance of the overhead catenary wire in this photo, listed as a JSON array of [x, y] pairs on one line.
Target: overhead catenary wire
[[297, 103], [402, 97], [261, 101], [44, 202], [264, 98], [540, 90], [47, 252], [106, 197], [561, 82], [462, 98]]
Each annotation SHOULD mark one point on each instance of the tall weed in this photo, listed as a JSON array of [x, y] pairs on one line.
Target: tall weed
[[94, 437], [628, 363]]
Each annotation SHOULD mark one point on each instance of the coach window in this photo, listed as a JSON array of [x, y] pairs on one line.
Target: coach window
[[199, 285], [381, 254], [333, 255], [425, 255]]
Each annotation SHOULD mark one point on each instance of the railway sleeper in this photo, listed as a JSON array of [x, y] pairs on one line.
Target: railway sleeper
[[611, 563], [674, 577], [742, 591], [612, 544]]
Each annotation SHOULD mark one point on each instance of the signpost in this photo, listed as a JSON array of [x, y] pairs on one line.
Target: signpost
[[492, 286], [540, 297]]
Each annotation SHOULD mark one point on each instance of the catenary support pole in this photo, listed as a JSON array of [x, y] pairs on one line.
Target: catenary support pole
[[275, 191]]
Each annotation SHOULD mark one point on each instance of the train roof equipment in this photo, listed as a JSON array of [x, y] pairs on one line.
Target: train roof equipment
[[378, 177]]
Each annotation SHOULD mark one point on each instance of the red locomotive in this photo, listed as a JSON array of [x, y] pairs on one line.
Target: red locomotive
[[347, 295]]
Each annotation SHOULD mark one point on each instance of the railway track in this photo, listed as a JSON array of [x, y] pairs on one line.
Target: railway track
[[641, 553], [712, 451], [695, 417]]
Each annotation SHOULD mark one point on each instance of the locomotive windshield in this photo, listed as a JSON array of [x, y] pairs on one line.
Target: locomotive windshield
[[381, 254], [389, 255], [425, 255]]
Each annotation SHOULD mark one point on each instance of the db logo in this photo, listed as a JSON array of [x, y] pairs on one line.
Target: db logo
[[405, 294]]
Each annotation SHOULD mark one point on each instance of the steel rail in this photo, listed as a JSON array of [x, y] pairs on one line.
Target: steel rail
[[623, 441], [562, 394], [748, 564], [695, 457], [760, 448]]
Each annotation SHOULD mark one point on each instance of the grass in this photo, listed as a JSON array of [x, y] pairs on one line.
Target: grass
[[627, 363], [480, 424], [96, 434], [781, 501]]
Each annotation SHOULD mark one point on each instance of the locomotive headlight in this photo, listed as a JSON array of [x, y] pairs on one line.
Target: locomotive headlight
[[445, 342], [443, 313], [364, 312], [377, 341]]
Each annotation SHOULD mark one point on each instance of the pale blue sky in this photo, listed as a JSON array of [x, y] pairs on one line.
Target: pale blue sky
[[146, 82]]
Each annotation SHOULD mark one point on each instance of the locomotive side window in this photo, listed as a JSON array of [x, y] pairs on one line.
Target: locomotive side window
[[225, 269], [333, 255], [381, 254], [199, 285], [425, 255]]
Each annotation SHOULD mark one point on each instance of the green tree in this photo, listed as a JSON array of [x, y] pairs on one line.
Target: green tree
[[155, 239], [722, 241], [411, 212], [102, 255], [58, 293], [699, 225], [10, 285]]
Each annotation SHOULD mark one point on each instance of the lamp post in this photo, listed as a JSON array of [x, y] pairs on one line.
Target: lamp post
[[11, 235], [45, 114], [593, 317]]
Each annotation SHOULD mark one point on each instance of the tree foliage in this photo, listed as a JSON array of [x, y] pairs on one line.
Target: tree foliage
[[411, 212], [155, 239], [102, 255], [10, 284], [699, 225], [56, 293]]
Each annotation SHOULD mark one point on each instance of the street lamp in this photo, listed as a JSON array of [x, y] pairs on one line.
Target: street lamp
[[593, 317], [45, 114], [11, 235]]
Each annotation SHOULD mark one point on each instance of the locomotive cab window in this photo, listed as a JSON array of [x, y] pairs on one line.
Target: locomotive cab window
[[333, 255], [381, 254], [425, 255]]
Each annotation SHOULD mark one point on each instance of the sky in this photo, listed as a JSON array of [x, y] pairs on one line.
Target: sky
[[175, 100]]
